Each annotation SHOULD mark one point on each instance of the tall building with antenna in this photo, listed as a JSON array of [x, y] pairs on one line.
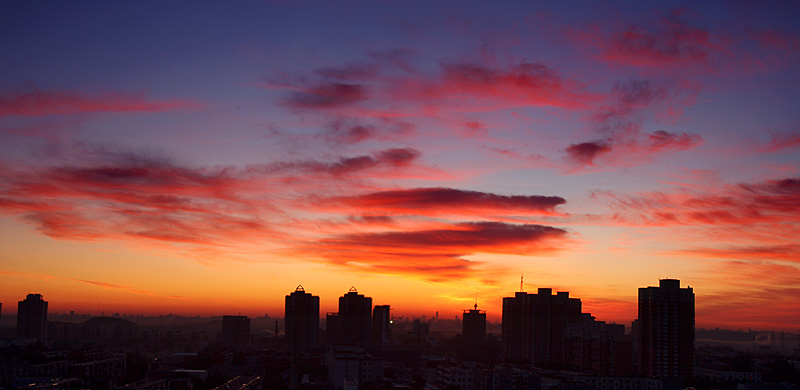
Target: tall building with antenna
[[473, 326], [352, 325], [535, 326], [473, 330], [302, 320]]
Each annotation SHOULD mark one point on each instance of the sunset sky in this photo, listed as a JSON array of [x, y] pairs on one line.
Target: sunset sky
[[206, 158]]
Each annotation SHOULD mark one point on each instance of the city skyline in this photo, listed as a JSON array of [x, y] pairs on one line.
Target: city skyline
[[206, 159], [300, 301]]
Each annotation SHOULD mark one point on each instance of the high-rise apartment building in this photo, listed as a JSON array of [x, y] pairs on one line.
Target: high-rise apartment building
[[535, 327], [473, 327], [473, 333], [302, 320], [32, 317], [331, 328], [665, 331], [381, 324], [353, 324]]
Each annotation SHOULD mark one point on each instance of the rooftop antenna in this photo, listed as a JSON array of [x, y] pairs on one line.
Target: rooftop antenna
[[476, 300], [521, 277]]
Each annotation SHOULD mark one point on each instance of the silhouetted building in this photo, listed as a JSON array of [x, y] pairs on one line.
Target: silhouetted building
[[599, 348], [331, 328], [473, 327], [381, 324], [535, 327], [236, 331], [517, 327], [421, 332], [302, 320], [32, 317], [354, 321], [665, 331], [302, 327], [473, 333]]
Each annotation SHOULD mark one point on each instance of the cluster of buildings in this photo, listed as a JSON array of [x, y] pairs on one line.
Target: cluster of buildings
[[542, 329], [550, 330], [544, 335]]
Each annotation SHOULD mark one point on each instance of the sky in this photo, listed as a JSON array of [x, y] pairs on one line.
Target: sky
[[206, 158]]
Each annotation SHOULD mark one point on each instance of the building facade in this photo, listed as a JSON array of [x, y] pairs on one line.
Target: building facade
[[535, 327], [665, 331], [302, 320], [32, 317], [236, 331], [353, 324], [381, 324], [473, 331]]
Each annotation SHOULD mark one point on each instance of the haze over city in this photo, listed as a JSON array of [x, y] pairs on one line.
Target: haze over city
[[207, 158]]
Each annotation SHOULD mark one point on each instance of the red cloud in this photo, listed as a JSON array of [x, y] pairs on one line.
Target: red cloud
[[786, 252], [465, 87], [676, 43], [458, 88], [783, 141], [746, 296], [435, 254], [777, 39], [661, 140], [531, 84], [774, 49], [398, 156], [620, 125], [630, 149], [38, 103], [352, 131], [150, 200], [769, 201], [757, 220], [670, 41], [444, 201], [393, 158], [586, 152]]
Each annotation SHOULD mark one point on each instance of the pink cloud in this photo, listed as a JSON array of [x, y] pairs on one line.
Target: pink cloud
[[671, 41], [782, 141], [457, 88], [38, 103], [620, 125]]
